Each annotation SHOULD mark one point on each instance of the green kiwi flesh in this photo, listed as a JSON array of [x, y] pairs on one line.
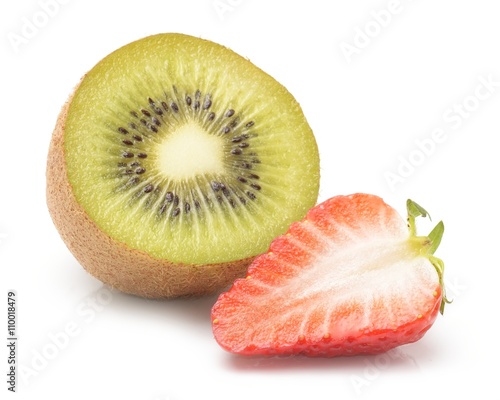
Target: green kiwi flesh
[[180, 148]]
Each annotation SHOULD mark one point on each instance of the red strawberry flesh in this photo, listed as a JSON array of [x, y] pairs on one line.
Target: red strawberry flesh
[[348, 279]]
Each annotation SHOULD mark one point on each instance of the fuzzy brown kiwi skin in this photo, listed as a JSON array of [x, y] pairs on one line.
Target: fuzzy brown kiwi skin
[[114, 263]]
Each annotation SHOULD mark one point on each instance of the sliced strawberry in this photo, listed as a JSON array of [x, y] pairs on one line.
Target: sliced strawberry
[[351, 278]]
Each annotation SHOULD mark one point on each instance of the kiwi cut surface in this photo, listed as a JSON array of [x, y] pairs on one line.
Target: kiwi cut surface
[[183, 156]]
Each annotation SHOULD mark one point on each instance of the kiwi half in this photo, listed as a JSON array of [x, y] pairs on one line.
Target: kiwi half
[[174, 163]]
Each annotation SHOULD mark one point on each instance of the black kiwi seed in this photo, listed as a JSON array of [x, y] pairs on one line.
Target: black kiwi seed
[[122, 130], [140, 171], [188, 100], [174, 107], [157, 110], [229, 113], [137, 138], [127, 154], [148, 188], [236, 151], [127, 142], [142, 155], [169, 197], [146, 113], [207, 103], [249, 124], [255, 186], [176, 212], [211, 116], [215, 186], [187, 208]]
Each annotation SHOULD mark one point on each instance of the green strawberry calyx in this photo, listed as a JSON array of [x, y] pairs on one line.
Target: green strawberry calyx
[[428, 244]]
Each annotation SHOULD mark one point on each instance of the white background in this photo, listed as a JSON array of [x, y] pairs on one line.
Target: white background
[[367, 107]]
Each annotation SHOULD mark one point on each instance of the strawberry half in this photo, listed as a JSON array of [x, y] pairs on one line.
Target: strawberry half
[[351, 278]]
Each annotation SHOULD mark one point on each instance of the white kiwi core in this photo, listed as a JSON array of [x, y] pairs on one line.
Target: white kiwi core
[[189, 152]]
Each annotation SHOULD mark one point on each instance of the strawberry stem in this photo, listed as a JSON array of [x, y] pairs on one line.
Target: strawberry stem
[[430, 244]]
